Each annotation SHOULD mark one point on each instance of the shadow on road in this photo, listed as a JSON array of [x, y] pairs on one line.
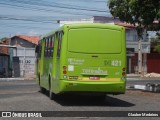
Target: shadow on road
[[79, 100]]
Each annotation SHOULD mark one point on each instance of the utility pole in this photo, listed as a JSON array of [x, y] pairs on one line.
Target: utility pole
[[145, 53], [140, 56]]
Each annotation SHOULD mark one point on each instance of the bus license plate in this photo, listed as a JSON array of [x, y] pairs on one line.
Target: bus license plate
[[94, 78]]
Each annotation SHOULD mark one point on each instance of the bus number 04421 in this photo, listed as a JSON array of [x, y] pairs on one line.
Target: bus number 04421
[[115, 63]]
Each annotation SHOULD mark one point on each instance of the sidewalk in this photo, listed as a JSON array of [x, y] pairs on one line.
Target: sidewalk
[[139, 77], [13, 79]]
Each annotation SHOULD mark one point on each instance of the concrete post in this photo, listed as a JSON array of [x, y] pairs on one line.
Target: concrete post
[[139, 56]]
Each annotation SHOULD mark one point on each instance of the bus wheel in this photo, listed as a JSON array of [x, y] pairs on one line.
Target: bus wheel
[[51, 94]]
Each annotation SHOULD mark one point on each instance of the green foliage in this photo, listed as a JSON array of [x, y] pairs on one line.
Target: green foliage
[[153, 40], [157, 48], [156, 43], [140, 13]]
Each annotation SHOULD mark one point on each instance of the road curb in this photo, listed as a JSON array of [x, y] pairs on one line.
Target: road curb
[[15, 79], [149, 87], [143, 78]]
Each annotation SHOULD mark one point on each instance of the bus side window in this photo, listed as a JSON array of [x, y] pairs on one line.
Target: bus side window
[[52, 45], [59, 44], [46, 42], [44, 47], [39, 49], [48, 47]]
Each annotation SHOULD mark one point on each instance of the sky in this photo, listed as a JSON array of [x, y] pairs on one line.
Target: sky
[[38, 17]]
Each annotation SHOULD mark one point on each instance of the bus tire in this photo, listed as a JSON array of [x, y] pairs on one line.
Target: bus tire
[[51, 94], [42, 90]]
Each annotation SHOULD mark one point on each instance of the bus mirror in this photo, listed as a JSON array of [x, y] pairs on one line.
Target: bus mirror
[[37, 49]]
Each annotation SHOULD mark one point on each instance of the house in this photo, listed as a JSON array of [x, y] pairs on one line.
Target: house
[[24, 41], [5, 68], [24, 55]]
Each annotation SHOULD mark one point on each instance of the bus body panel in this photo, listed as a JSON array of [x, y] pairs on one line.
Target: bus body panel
[[92, 59], [92, 86]]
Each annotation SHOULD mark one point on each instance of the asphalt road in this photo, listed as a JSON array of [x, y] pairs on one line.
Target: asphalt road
[[24, 95]]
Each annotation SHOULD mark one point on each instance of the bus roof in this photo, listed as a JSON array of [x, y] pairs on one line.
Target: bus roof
[[101, 25], [81, 25]]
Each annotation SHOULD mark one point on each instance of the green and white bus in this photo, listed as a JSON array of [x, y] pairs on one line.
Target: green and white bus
[[82, 58]]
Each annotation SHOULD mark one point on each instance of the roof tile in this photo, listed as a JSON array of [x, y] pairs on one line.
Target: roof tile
[[32, 39]]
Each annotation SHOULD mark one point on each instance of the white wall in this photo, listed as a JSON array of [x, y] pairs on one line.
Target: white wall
[[26, 60], [77, 21]]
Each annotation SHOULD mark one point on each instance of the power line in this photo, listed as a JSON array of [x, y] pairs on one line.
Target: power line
[[33, 27], [73, 5], [77, 6], [61, 9], [33, 3], [22, 19], [44, 10]]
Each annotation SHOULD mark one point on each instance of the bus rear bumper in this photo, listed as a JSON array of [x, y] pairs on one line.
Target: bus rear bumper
[[97, 87]]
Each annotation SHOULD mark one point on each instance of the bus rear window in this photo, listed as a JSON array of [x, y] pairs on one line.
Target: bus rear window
[[94, 40]]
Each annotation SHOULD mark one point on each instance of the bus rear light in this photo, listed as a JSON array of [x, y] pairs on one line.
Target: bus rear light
[[64, 72], [64, 67], [123, 74], [124, 69]]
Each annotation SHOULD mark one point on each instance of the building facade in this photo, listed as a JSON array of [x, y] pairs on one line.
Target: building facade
[[5, 68], [24, 56]]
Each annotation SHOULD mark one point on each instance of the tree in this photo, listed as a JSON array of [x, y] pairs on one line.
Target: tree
[[155, 43], [140, 13]]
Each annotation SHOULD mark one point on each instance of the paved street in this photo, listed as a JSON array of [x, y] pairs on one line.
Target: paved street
[[24, 95]]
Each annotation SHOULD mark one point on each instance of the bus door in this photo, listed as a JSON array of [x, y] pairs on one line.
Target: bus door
[[59, 40]]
